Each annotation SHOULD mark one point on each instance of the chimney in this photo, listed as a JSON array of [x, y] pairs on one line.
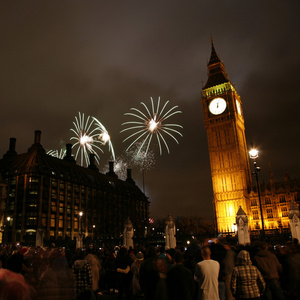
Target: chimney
[[129, 178], [68, 155], [111, 170], [12, 148], [37, 137], [12, 145], [92, 164], [111, 167], [129, 174], [69, 150], [36, 146]]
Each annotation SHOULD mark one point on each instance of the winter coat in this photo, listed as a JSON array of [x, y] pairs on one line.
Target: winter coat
[[268, 264], [94, 261], [83, 276], [57, 282], [246, 280]]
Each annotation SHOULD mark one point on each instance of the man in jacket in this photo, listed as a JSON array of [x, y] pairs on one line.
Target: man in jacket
[[270, 268]]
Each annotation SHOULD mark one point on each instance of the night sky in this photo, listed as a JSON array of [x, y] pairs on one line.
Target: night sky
[[101, 58]]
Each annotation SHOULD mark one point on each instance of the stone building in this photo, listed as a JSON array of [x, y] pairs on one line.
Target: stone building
[[276, 199], [48, 193]]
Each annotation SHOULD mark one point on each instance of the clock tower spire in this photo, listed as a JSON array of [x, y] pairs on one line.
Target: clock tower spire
[[224, 123], [216, 69]]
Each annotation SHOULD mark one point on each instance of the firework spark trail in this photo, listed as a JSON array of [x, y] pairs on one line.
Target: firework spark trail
[[150, 124], [90, 134], [58, 154], [104, 137], [86, 139]]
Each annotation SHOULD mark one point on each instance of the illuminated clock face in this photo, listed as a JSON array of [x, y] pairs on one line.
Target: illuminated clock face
[[238, 107], [217, 106]]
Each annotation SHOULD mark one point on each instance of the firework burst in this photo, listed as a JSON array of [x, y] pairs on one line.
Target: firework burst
[[89, 135], [151, 123], [104, 137]]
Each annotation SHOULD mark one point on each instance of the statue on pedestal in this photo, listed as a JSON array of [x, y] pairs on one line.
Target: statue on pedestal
[[39, 238], [294, 216], [242, 227], [170, 232], [79, 240], [128, 234]]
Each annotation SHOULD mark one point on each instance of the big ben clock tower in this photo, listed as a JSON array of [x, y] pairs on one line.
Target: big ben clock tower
[[229, 162]]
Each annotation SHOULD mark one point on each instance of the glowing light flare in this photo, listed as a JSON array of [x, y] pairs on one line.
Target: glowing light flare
[[230, 210], [85, 141], [152, 124], [104, 137], [144, 130], [253, 153], [234, 227]]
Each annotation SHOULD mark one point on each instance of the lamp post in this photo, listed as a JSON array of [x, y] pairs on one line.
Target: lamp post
[[6, 227], [80, 218], [79, 239], [93, 236], [253, 155]]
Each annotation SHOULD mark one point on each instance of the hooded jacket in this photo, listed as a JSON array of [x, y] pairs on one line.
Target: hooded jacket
[[246, 280], [268, 264]]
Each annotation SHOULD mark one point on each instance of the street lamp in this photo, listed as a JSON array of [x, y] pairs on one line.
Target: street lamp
[[94, 226], [80, 218], [7, 224], [253, 155]]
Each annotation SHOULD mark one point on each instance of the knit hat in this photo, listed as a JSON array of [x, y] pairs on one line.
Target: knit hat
[[140, 256]]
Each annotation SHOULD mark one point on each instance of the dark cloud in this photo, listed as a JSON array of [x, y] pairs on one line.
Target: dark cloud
[[103, 57]]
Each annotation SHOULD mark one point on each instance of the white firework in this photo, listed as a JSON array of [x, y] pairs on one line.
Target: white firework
[[57, 153], [152, 123], [120, 167], [86, 137], [139, 158], [104, 137]]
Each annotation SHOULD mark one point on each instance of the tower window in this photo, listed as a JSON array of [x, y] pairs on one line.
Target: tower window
[[284, 211], [269, 213], [267, 200], [253, 202], [255, 215], [282, 199]]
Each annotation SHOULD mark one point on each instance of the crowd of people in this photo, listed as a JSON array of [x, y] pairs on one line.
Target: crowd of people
[[216, 270]]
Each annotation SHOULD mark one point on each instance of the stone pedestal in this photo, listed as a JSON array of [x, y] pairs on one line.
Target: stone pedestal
[[294, 216], [170, 232], [128, 234], [242, 227], [39, 239]]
